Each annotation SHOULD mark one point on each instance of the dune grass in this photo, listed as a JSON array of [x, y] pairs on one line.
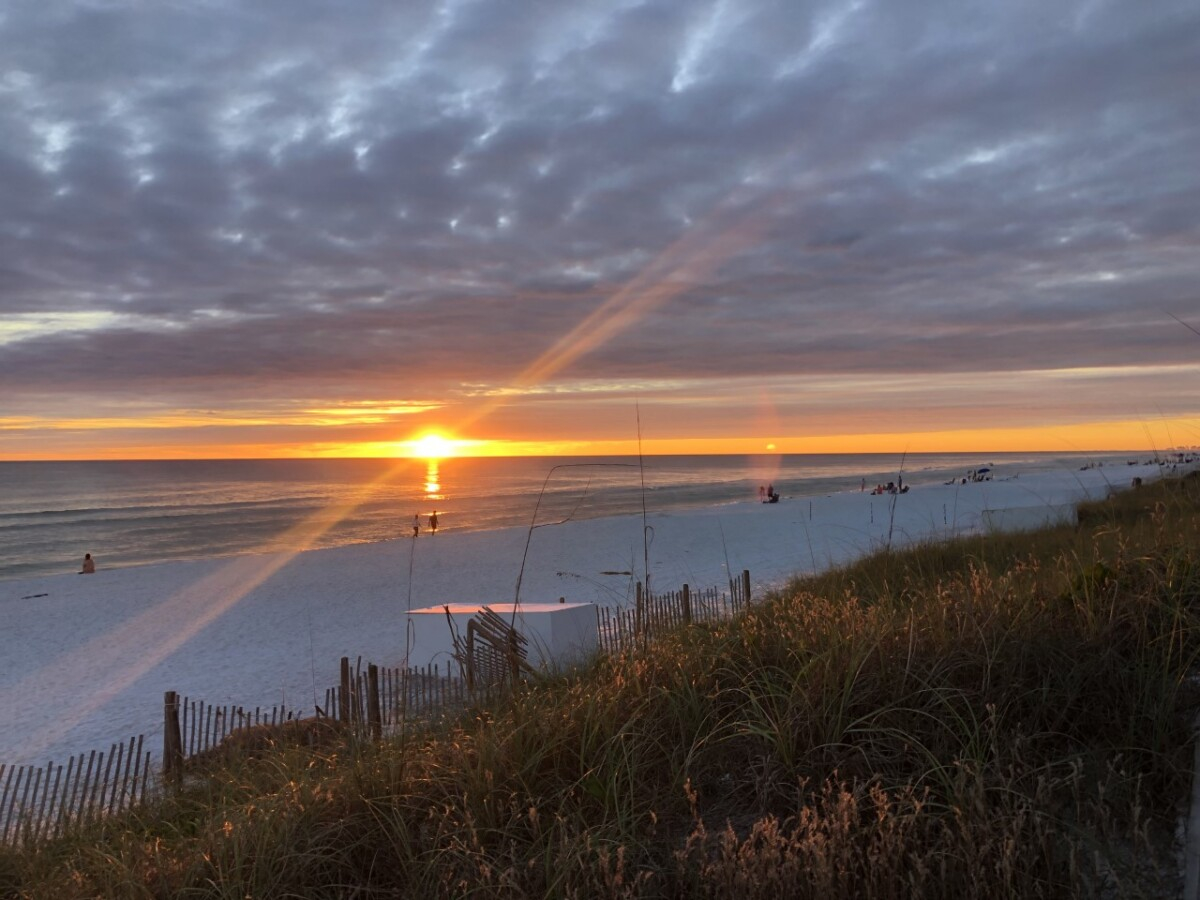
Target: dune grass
[[999, 716]]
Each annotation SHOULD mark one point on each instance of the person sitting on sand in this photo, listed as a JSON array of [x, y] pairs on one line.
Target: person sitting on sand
[[89, 565]]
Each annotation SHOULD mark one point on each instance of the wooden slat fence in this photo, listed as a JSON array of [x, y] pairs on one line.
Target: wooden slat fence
[[492, 651], [204, 725], [621, 628], [369, 700], [375, 699], [37, 803]]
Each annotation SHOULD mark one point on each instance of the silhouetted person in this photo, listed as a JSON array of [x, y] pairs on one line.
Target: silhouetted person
[[89, 565], [433, 521]]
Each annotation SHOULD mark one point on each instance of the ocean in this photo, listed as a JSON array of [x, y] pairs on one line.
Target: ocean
[[137, 512]]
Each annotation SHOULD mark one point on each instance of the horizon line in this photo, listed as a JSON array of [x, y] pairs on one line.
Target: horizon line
[[464, 456]]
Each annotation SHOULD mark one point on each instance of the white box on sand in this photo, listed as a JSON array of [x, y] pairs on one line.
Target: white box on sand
[[558, 634]]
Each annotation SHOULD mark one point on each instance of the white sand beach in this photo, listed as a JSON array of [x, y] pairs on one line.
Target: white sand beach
[[86, 659]]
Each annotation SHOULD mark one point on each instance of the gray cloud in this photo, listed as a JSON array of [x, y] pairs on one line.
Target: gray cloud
[[417, 199]]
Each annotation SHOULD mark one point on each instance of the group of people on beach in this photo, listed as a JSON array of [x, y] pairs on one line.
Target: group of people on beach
[[892, 487], [983, 474], [766, 494]]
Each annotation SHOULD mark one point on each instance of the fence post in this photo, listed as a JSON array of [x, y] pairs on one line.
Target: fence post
[[746, 586], [172, 738], [639, 623], [687, 605], [344, 693], [514, 658], [374, 716]]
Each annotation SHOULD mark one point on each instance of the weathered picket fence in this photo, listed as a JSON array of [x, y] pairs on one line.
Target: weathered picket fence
[[193, 727], [42, 802], [622, 628], [368, 701], [373, 700]]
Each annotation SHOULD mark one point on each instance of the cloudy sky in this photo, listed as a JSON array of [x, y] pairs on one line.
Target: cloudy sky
[[294, 227]]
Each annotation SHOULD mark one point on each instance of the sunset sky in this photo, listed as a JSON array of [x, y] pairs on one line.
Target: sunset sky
[[294, 228]]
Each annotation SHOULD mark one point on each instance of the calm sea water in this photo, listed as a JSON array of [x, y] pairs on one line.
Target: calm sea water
[[134, 513]]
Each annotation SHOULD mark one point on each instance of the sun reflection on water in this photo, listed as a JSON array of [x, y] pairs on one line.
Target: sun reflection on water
[[433, 486]]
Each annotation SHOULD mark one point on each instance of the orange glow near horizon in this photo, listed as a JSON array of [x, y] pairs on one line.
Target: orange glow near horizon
[[1132, 434]]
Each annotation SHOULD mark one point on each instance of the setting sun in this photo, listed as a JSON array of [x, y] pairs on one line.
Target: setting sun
[[431, 446]]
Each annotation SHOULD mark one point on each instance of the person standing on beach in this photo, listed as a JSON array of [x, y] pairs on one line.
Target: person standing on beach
[[89, 565], [433, 522], [416, 524]]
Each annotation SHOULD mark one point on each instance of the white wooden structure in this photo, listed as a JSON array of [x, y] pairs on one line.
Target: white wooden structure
[[559, 635]]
